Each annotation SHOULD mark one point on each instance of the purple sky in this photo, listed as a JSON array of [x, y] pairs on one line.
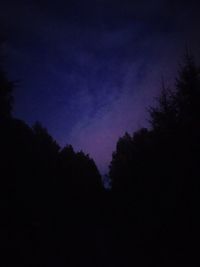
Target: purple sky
[[89, 69]]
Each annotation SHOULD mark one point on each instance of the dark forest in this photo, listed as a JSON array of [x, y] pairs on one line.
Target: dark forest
[[55, 210]]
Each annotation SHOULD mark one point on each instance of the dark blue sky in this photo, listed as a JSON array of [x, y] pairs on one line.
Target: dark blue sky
[[89, 69]]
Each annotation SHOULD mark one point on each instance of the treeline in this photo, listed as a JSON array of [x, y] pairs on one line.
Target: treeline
[[54, 210], [155, 176], [50, 197]]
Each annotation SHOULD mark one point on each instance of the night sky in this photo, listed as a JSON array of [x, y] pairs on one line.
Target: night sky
[[88, 70]]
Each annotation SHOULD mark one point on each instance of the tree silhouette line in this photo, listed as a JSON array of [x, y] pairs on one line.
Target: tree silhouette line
[[155, 178], [56, 212]]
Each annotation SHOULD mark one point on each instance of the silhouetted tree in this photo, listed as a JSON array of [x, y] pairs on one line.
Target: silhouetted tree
[[187, 95], [44, 140], [163, 117], [6, 97], [155, 175], [50, 199]]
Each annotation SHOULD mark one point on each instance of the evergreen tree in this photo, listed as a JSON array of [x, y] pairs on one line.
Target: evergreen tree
[[6, 94], [155, 174]]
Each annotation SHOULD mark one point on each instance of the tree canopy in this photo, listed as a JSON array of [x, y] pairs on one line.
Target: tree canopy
[[55, 211], [155, 173]]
